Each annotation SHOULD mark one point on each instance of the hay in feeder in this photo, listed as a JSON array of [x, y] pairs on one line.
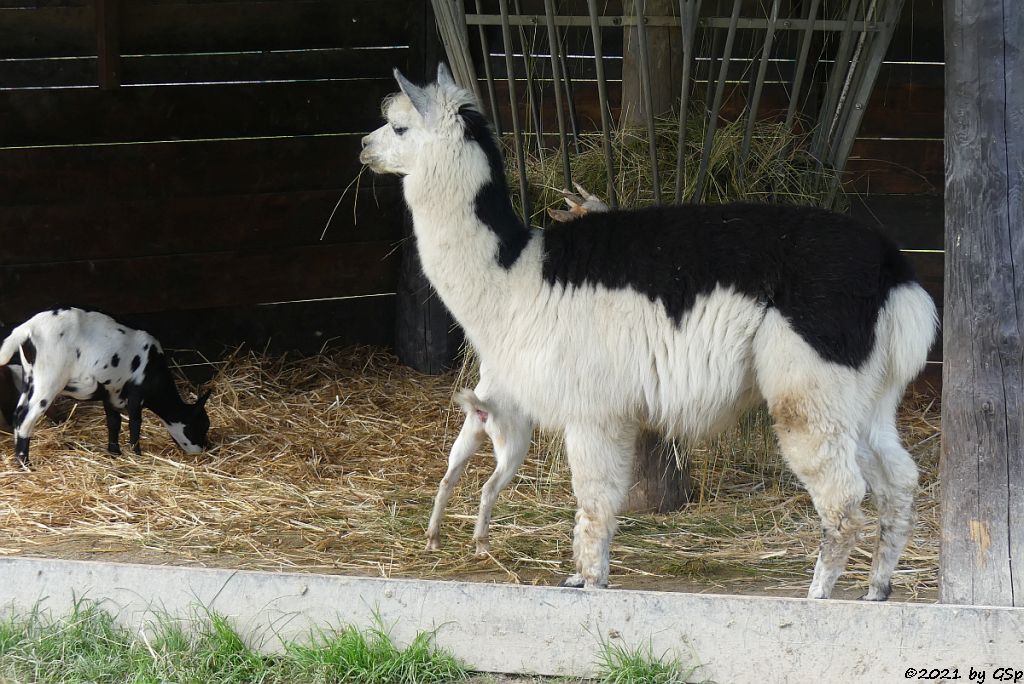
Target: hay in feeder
[[330, 464]]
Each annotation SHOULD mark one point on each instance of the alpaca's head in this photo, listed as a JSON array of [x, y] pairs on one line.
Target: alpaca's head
[[417, 117]]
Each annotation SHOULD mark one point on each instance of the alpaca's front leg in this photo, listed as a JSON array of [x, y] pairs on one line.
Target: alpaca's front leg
[[601, 460]]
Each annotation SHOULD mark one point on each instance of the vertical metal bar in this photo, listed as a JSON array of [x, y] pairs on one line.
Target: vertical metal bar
[[602, 93], [108, 41], [563, 143], [835, 79], [645, 85], [492, 95], [755, 98], [723, 72], [517, 131], [801, 63], [532, 97], [689, 10], [570, 97], [854, 76], [873, 62]]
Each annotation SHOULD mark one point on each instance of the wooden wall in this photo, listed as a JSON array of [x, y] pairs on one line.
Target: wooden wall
[[190, 193]]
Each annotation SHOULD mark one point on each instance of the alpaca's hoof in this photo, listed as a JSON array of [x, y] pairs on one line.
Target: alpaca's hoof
[[876, 594], [575, 581]]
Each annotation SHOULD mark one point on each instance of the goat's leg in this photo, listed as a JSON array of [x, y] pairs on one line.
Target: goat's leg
[[135, 422], [466, 444], [32, 404], [892, 478], [113, 417], [510, 434], [601, 460]]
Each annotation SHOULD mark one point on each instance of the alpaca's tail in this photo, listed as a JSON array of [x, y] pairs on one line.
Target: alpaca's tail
[[911, 325], [12, 344]]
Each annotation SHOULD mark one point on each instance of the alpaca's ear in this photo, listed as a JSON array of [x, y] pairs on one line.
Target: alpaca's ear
[[418, 96], [444, 76]]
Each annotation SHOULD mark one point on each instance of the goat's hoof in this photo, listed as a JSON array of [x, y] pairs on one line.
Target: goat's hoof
[[483, 549], [114, 449], [433, 544], [137, 450], [573, 582]]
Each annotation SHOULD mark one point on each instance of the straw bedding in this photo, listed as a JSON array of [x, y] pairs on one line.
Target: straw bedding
[[330, 464]]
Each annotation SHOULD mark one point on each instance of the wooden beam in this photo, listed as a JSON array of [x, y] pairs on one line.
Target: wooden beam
[[108, 43], [982, 468]]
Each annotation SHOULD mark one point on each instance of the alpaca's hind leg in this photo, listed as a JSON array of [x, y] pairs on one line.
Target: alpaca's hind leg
[[601, 460], [510, 434], [466, 444], [824, 457], [892, 477]]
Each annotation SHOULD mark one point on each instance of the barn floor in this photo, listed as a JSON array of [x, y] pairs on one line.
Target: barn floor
[[329, 464]]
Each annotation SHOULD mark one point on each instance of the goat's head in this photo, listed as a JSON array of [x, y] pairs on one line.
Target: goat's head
[[191, 432], [418, 116]]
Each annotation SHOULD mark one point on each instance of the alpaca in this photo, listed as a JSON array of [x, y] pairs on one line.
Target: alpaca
[[673, 318], [87, 355]]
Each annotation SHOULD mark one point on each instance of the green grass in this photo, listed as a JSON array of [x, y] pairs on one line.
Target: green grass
[[90, 646], [623, 665]]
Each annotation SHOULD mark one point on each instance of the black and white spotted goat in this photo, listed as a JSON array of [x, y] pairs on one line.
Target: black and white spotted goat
[[89, 356], [676, 318]]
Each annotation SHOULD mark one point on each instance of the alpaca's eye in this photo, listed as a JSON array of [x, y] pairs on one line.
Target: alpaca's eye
[[399, 130]]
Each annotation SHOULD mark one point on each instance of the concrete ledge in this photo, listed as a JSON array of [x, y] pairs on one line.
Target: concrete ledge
[[553, 631]]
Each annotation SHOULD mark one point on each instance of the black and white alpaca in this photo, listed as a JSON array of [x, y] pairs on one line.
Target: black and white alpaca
[[87, 355], [676, 318]]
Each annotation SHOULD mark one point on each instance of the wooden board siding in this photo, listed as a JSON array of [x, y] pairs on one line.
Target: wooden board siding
[[203, 178]]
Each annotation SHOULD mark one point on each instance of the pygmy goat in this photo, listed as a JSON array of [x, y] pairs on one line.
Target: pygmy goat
[[87, 355], [674, 318]]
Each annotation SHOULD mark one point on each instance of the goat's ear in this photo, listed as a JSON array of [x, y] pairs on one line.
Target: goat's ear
[[444, 76], [418, 96]]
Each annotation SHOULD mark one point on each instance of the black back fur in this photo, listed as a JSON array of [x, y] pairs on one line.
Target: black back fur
[[826, 273]]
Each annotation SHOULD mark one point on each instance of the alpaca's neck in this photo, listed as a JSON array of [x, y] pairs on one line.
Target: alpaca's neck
[[469, 238]]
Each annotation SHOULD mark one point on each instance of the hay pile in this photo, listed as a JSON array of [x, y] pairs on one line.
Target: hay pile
[[330, 464], [778, 169]]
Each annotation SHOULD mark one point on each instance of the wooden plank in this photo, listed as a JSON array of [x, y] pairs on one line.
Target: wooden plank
[[907, 102], [180, 27], [982, 554], [231, 67], [898, 166], [195, 281], [77, 116], [188, 225], [546, 630], [48, 31], [186, 169], [303, 327], [911, 221]]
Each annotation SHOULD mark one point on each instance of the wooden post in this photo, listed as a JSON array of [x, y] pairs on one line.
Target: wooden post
[[666, 58], [108, 43], [659, 484], [982, 468], [426, 337]]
